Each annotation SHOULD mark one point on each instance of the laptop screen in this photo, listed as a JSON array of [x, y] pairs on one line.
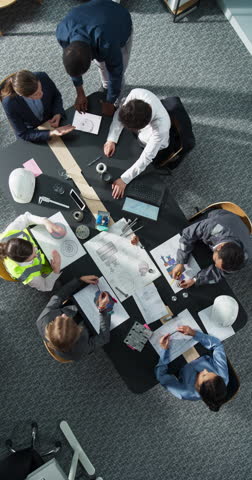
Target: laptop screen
[[140, 208]]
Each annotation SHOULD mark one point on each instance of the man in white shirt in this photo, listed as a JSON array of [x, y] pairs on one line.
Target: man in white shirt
[[142, 113]]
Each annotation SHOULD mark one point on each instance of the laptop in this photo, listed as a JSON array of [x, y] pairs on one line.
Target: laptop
[[143, 198], [49, 471]]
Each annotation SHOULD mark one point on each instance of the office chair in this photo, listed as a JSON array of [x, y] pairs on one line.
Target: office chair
[[4, 274], [22, 462], [55, 356], [231, 207]]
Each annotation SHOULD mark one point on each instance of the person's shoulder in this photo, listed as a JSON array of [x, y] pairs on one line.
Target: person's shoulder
[[41, 75], [9, 103]]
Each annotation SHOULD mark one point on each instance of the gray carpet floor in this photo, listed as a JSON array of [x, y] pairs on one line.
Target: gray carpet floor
[[152, 436]]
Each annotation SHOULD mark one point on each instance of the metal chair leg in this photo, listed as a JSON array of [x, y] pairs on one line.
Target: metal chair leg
[[8, 445], [56, 449]]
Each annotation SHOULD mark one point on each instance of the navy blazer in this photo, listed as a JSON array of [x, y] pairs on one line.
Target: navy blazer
[[19, 114]]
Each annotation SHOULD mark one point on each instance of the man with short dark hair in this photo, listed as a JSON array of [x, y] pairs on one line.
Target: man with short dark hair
[[99, 30], [226, 235], [142, 113]]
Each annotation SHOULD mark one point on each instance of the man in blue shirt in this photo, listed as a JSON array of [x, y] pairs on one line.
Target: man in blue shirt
[[99, 30]]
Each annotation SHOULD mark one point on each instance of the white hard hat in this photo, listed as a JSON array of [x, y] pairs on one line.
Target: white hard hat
[[224, 311], [22, 185]]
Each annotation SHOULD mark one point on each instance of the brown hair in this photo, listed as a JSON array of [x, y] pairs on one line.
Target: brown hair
[[17, 249], [214, 392], [23, 83], [62, 333]]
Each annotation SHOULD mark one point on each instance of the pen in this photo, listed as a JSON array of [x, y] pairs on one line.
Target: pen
[[133, 231], [93, 161], [178, 275]]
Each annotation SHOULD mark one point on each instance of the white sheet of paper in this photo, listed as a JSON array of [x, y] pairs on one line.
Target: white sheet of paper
[[220, 332], [68, 247], [150, 303], [165, 257], [87, 122], [126, 267], [179, 343], [85, 298]]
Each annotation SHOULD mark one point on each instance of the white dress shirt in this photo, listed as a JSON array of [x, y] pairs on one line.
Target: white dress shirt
[[43, 284], [155, 135]]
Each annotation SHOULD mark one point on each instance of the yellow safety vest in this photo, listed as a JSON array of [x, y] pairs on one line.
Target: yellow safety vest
[[25, 273]]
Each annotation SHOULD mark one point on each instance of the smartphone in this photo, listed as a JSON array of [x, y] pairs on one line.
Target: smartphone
[[76, 198]]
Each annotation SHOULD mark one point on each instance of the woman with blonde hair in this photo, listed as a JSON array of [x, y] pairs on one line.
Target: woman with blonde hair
[[30, 99], [61, 324]]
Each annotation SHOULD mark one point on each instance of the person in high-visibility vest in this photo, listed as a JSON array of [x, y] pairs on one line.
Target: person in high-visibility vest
[[22, 258]]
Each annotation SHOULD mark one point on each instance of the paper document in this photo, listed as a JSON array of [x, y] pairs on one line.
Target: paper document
[[33, 167], [165, 256], [220, 332], [85, 298], [126, 267], [150, 303], [179, 343], [87, 122], [67, 245]]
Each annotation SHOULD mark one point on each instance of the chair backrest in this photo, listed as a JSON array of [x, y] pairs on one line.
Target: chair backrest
[[4, 274], [231, 207], [233, 384], [2, 82], [55, 356]]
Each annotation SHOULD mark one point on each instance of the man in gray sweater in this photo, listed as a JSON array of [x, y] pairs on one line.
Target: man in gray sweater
[[227, 236], [60, 323]]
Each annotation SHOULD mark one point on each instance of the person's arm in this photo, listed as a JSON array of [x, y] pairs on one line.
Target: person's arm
[[169, 382], [57, 105], [146, 157], [219, 357], [209, 275], [114, 64], [104, 335], [116, 128], [21, 131], [189, 236], [23, 221]]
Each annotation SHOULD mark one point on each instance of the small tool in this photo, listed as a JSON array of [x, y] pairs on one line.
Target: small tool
[[125, 294], [178, 275], [128, 227], [48, 200], [94, 161], [133, 231]]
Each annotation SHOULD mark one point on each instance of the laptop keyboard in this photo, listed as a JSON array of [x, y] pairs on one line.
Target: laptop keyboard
[[143, 193]]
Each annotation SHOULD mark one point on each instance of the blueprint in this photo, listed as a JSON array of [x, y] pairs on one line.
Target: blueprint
[[67, 244], [87, 122], [126, 267], [179, 343], [165, 257], [150, 303]]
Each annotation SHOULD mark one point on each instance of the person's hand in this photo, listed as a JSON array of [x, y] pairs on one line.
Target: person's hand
[[177, 271], [108, 109], [56, 261], [103, 300], [52, 227], [118, 187], [81, 102], [134, 239], [187, 283], [89, 279], [55, 120], [109, 148], [164, 341], [62, 130], [186, 330]]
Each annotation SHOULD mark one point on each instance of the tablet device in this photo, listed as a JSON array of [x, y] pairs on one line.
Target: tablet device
[[140, 208]]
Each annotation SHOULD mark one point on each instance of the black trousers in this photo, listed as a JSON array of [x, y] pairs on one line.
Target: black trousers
[[18, 465]]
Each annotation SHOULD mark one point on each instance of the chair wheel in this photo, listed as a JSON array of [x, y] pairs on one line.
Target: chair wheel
[[34, 425], [58, 444], [8, 443]]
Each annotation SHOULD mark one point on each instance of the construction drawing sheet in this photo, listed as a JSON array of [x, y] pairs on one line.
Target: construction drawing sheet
[[212, 328], [179, 343], [85, 299], [126, 267], [165, 257], [67, 244], [150, 303], [87, 122]]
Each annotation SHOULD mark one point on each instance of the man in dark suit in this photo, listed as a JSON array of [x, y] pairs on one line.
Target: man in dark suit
[[30, 99]]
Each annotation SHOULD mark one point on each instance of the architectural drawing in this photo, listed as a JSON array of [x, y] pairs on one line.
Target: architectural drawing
[[124, 266], [165, 257], [87, 122], [69, 248]]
